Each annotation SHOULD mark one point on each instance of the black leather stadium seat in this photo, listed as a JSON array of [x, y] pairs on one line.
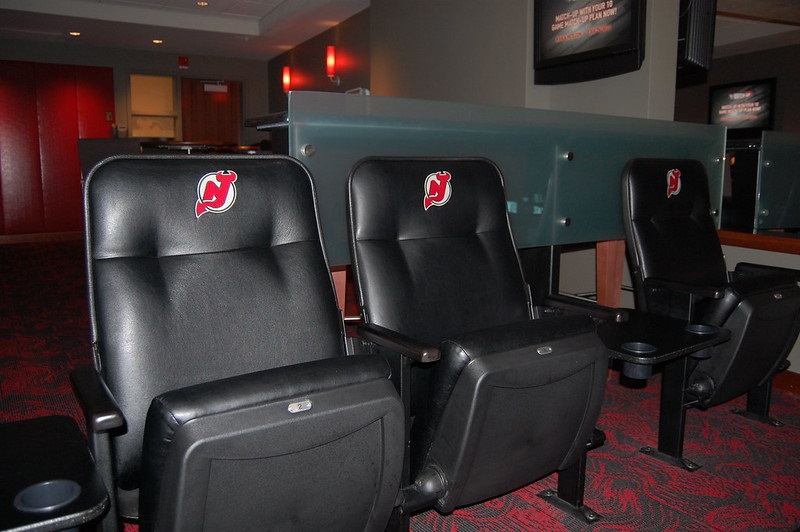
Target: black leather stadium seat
[[679, 270], [221, 397], [512, 399]]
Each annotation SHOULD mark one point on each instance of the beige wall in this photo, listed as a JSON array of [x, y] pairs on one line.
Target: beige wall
[[307, 61], [482, 52], [475, 52]]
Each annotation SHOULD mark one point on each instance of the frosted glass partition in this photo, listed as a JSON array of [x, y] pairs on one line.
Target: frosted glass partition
[[562, 170], [778, 186]]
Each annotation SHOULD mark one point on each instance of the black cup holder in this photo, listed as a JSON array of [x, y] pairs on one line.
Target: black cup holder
[[47, 496], [639, 348], [638, 371], [699, 328]]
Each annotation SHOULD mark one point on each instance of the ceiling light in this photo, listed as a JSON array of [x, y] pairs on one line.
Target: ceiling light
[[202, 4], [74, 34], [158, 41]]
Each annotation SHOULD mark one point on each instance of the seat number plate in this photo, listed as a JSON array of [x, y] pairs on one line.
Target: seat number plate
[[300, 406]]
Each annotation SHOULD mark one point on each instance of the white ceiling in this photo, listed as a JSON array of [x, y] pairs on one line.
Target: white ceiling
[[751, 25], [262, 29], [252, 29]]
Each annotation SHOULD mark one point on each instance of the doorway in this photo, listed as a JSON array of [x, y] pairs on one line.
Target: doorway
[[211, 111]]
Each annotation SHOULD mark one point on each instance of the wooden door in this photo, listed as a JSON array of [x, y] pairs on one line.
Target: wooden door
[[212, 111]]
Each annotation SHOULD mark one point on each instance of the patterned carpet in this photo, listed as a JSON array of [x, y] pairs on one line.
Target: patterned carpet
[[44, 328], [750, 479]]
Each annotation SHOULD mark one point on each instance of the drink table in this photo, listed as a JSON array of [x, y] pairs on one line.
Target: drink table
[[49, 480], [646, 340]]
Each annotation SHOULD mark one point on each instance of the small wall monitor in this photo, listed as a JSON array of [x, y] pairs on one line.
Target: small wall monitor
[[745, 108], [582, 40]]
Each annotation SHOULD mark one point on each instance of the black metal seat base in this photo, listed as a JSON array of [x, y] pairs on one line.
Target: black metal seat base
[[677, 461], [571, 485]]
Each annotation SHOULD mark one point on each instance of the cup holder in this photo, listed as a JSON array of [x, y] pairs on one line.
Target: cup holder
[[47, 496], [699, 328], [637, 372], [638, 347]]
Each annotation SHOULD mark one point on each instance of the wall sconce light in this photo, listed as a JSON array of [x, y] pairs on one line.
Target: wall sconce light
[[287, 78], [330, 65]]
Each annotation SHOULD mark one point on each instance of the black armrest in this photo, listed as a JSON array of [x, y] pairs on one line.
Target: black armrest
[[712, 292], [99, 406], [748, 269], [583, 306], [406, 346], [517, 335]]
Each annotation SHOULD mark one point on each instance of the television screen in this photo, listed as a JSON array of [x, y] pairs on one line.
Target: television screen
[[746, 108], [581, 40]]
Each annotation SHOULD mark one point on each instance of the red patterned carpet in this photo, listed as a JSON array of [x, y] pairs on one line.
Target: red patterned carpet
[[750, 479]]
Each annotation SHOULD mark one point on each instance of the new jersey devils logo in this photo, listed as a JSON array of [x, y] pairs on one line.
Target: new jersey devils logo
[[437, 189], [673, 182], [216, 192]]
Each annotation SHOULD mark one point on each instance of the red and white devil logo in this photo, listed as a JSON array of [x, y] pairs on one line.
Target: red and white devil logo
[[215, 192], [437, 189], [673, 182]]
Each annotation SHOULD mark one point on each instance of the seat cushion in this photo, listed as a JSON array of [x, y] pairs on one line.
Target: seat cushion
[[239, 453], [172, 410], [530, 335], [524, 405], [718, 311]]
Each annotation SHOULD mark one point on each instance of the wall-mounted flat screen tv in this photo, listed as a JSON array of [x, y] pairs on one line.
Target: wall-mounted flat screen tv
[[582, 40], [745, 108]]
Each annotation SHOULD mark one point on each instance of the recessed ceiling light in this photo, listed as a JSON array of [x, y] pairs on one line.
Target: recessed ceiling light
[[74, 34], [202, 3], [158, 41]]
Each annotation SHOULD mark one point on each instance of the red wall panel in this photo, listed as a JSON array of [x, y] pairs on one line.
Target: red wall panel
[[20, 172], [57, 106], [44, 109], [95, 101]]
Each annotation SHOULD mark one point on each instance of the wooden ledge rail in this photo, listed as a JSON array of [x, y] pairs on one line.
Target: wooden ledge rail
[[761, 242]]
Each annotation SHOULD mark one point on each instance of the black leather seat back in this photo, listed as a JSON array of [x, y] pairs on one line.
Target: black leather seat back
[[436, 251], [668, 222], [192, 278]]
